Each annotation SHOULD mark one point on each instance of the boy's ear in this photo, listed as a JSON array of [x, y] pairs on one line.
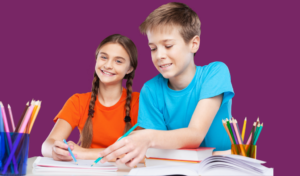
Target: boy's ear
[[195, 43], [130, 70]]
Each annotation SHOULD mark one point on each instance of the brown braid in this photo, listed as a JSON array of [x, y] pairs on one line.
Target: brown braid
[[128, 99], [86, 135]]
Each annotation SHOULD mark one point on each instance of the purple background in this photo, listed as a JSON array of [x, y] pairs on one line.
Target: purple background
[[47, 53]]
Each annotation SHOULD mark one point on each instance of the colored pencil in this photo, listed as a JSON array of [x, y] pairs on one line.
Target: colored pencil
[[126, 134], [31, 117], [258, 133], [244, 128], [234, 133], [11, 118], [35, 115], [238, 136], [22, 117], [8, 136], [1, 122], [251, 134], [230, 130], [226, 129], [22, 129], [71, 152]]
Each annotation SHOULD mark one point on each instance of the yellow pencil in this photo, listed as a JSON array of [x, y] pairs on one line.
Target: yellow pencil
[[35, 114], [244, 128]]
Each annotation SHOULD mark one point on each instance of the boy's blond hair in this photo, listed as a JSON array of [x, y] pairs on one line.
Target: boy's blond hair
[[174, 14]]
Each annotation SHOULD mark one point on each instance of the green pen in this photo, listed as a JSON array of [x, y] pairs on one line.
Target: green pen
[[126, 134]]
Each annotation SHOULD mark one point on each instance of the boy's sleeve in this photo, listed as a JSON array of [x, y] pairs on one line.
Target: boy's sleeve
[[216, 82], [149, 116], [70, 111]]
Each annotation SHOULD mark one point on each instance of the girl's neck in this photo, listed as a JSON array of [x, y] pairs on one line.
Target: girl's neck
[[109, 95]]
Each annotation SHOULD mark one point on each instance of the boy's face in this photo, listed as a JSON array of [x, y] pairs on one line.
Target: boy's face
[[170, 54]]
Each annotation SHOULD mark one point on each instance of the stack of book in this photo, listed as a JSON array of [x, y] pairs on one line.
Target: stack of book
[[156, 156]]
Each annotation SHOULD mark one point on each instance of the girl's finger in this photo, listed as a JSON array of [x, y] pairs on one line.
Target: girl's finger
[[60, 151], [64, 158], [115, 154], [60, 144]]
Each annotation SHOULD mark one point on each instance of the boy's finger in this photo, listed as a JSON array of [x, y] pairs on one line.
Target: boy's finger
[[128, 157], [112, 148], [115, 154]]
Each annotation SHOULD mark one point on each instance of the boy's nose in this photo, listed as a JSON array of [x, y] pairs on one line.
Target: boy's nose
[[160, 54]]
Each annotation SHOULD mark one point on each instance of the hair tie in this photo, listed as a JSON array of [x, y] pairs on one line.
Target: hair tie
[[91, 112], [127, 119]]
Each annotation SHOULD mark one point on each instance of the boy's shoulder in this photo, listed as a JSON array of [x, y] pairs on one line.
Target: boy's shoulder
[[155, 82], [215, 65]]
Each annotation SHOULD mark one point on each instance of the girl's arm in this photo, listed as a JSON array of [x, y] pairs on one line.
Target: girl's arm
[[55, 148], [136, 144]]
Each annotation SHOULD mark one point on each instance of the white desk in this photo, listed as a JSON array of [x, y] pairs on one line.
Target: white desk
[[122, 170]]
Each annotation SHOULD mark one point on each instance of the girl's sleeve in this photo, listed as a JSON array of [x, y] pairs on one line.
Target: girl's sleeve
[[150, 117], [217, 81], [70, 111]]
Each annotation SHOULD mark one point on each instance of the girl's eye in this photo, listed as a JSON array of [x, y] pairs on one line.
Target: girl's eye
[[118, 61], [103, 57], [153, 49], [169, 46]]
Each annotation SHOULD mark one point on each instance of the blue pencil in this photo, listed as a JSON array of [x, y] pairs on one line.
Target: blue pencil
[[71, 152], [126, 134]]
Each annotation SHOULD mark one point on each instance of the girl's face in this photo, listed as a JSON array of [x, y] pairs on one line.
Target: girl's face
[[112, 64]]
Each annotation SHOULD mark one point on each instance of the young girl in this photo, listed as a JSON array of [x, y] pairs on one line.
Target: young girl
[[106, 113]]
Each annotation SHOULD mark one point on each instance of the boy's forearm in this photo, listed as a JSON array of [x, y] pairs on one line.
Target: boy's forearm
[[174, 139]]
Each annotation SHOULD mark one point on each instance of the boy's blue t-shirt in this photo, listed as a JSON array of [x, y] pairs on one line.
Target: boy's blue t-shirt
[[162, 108]]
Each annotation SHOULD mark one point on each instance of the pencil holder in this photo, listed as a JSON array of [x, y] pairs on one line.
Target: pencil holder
[[244, 150], [13, 153]]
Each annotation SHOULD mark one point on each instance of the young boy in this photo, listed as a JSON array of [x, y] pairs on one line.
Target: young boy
[[184, 105]]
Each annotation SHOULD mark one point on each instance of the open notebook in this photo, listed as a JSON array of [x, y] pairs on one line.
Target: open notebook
[[44, 164], [213, 165]]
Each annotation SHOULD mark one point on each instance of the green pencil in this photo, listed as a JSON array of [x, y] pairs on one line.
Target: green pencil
[[126, 134], [229, 128]]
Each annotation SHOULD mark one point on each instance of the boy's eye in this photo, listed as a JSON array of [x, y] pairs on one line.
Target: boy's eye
[[103, 57], [118, 61], [169, 46], [153, 49]]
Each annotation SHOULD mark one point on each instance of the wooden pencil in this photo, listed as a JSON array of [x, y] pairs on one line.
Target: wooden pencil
[[22, 117], [225, 126]]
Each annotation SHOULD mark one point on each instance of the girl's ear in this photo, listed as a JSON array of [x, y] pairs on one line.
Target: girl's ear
[[130, 70], [195, 44]]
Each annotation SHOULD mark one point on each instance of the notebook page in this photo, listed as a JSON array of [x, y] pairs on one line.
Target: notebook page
[[82, 164], [188, 169]]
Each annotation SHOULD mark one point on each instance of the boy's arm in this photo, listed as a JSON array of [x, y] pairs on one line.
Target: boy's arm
[[137, 143], [193, 135]]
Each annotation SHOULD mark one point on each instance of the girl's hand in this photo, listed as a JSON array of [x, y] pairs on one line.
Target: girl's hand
[[79, 152], [60, 151], [134, 146]]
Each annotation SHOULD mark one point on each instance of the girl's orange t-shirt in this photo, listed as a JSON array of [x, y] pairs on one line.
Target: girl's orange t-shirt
[[108, 122]]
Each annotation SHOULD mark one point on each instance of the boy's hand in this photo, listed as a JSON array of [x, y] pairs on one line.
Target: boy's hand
[[134, 146]]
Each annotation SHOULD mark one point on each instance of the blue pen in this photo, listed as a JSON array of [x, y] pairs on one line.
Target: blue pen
[[126, 134], [71, 152]]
